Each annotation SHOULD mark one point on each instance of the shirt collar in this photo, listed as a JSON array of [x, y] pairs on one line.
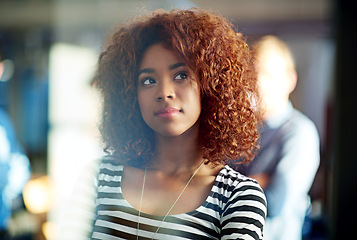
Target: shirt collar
[[280, 117]]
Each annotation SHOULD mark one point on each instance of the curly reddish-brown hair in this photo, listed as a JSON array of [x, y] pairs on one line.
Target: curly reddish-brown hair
[[222, 63]]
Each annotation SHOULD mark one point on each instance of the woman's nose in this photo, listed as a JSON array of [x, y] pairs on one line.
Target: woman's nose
[[166, 91]]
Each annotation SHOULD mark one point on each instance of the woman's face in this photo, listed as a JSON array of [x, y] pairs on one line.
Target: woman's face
[[168, 95]]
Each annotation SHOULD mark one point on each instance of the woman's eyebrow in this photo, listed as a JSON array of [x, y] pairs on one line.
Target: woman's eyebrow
[[176, 65], [151, 70], [146, 70]]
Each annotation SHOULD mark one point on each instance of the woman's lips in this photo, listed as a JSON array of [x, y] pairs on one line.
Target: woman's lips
[[167, 112]]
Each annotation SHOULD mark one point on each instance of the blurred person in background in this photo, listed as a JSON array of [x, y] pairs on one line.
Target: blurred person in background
[[14, 166], [288, 159]]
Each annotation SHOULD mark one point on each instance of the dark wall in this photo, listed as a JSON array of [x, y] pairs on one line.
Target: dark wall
[[345, 160]]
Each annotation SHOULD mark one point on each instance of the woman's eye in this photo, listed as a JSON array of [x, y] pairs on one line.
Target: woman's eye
[[148, 81], [181, 76]]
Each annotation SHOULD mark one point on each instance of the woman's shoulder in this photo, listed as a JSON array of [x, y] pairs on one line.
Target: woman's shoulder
[[233, 183], [109, 167], [106, 165], [110, 162], [235, 186], [233, 177]]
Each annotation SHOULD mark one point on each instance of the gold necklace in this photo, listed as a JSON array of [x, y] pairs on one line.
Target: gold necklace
[[168, 212]]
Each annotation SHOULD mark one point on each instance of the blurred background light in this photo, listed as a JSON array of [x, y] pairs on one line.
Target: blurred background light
[[38, 195], [74, 110]]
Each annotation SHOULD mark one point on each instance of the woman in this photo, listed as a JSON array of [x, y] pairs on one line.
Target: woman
[[179, 89]]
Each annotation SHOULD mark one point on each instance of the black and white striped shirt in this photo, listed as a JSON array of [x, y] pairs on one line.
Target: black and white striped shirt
[[234, 209]]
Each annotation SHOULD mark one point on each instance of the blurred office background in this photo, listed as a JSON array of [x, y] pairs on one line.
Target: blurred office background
[[52, 46]]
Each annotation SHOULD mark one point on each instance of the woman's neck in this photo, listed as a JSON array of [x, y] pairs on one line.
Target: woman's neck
[[177, 154]]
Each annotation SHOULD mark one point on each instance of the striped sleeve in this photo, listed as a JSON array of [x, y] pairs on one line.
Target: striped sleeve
[[244, 213]]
